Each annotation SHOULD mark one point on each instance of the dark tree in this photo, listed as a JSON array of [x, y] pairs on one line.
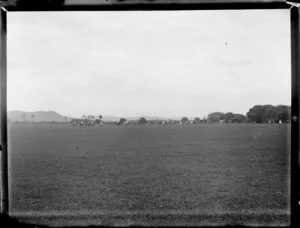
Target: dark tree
[[215, 117], [238, 118], [283, 113], [255, 114], [122, 121], [228, 117], [142, 120], [197, 120], [184, 120], [268, 113]]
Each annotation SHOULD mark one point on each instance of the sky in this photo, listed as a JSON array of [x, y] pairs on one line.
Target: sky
[[154, 63]]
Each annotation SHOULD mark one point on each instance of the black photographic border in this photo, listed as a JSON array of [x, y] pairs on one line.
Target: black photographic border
[[155, 5]]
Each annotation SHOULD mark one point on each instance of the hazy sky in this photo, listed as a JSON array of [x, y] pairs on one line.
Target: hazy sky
[[148, 63]]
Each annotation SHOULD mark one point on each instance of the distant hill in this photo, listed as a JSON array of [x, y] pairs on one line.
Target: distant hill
[[39, 116]]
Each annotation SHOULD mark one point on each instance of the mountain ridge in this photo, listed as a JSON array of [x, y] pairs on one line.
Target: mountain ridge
[[35, 116]]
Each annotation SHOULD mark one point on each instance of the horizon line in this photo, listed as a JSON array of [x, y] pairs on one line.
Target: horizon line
[[139, 115]]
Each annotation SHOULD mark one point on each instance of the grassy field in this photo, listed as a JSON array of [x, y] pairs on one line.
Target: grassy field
[[174, 175]]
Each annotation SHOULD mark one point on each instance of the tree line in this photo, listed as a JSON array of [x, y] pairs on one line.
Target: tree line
[[256, 114], [269, 114], [228, 117]]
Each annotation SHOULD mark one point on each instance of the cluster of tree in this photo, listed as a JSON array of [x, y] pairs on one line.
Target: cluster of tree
[[122, 121], [269, 114], [87, 120], [140, 121], [229, 117], [196, 120], [215, 117], [183, 120], [91, 117]]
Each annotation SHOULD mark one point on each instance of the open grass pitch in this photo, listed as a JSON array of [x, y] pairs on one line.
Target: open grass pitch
[[174, 175]]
